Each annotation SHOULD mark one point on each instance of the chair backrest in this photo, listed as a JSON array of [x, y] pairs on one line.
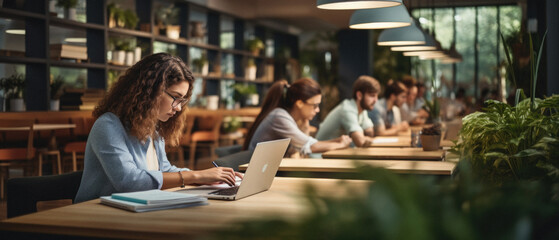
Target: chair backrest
[[12, 153], [228, 150], [25, 192], [235, 159]]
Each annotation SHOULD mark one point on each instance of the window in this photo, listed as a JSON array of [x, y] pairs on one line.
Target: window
[[475, 30]]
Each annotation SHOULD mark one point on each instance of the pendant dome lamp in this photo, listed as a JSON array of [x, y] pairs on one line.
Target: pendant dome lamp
[[453, 55], [428, 46], [410, 35], [355, 4], [438, 51], [379, 18]]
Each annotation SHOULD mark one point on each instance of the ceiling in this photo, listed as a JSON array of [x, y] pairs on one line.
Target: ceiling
[[303, 15]]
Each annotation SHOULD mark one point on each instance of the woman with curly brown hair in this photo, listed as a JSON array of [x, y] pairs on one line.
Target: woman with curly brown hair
[[125, 149]]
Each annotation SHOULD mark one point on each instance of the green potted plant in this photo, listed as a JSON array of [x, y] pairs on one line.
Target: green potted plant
[[69, 8], [250, 69], [231, 124], [431, 137], [201, 64], [510, 143], [245, 94], [130, 19], [255, 45], [56, 85], [433, 106], [166, 19], [14, 87]]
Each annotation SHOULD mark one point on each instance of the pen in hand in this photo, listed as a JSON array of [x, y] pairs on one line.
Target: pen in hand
[[215, 164]]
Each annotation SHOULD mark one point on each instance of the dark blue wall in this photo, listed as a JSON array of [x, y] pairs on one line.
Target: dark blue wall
[[356, 58]]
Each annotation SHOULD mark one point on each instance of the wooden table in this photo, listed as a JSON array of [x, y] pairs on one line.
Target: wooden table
[[381, 153], [92, 219], [314, 165]]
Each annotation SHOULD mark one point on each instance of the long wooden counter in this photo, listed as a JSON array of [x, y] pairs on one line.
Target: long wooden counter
[[71, 114]]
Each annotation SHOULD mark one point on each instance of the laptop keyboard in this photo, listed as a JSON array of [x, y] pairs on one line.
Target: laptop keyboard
[[225, 191]]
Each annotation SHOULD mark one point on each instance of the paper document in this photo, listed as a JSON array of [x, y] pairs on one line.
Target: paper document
[[385, 140]]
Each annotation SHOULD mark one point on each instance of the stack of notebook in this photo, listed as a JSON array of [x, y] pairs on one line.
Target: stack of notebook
[[152, 200]]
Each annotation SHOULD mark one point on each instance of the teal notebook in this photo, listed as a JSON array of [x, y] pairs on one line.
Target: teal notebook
[[156, 196]]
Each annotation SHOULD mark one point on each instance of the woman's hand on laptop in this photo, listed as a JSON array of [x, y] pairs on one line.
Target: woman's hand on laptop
[[216, 175]]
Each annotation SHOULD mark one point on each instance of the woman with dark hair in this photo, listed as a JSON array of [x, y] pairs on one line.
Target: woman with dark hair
[[285, 113], [125, 149]]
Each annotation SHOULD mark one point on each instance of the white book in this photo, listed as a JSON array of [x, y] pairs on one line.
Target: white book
[[140, 207]]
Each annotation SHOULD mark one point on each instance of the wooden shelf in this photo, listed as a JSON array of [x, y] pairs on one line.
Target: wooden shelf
[[61, 63], [117, 67], [22, 60], [38, 21], [129, 32], [13, 13], [74, 24]]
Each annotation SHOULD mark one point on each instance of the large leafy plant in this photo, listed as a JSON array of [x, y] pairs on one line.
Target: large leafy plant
[[506, 143]]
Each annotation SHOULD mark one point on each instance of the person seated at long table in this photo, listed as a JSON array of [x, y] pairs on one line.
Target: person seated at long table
[[350, 116], [386, 113], [125, 150], [285, 110], [410, 111]]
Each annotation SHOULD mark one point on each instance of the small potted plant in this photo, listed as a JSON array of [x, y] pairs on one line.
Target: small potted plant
[[56, 85], [13, 87], [431, 137], [245, 94], [201, 64], [69, 8], [250, 70], [255, 45]]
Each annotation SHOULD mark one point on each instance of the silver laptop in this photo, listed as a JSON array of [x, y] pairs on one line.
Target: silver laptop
[[258, 177]]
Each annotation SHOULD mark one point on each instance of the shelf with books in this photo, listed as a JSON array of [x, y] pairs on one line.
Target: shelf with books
[[219, 35]]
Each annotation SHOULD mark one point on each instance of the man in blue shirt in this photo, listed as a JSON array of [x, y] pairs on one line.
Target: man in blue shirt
[[350, 116]]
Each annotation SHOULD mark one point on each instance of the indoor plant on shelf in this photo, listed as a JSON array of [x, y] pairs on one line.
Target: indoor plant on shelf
[[250, 70], [14, 87], [69, 8], [255, 45], [56, 85], [201, 64], [245, 94]]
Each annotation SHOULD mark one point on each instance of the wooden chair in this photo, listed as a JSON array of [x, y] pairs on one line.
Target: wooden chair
[[77, 147], [15, 155], [200, 131], [52, 137]]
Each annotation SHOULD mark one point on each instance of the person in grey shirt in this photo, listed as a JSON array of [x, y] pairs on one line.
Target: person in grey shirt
[[350, 116], [386, 113], [285, 113], [125, 150]]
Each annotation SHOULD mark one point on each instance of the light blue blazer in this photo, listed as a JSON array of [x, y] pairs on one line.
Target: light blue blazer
[[115, 161]]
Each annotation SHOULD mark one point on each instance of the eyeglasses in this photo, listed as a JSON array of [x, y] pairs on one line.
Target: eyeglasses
[[314, 105], [177, 101]]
